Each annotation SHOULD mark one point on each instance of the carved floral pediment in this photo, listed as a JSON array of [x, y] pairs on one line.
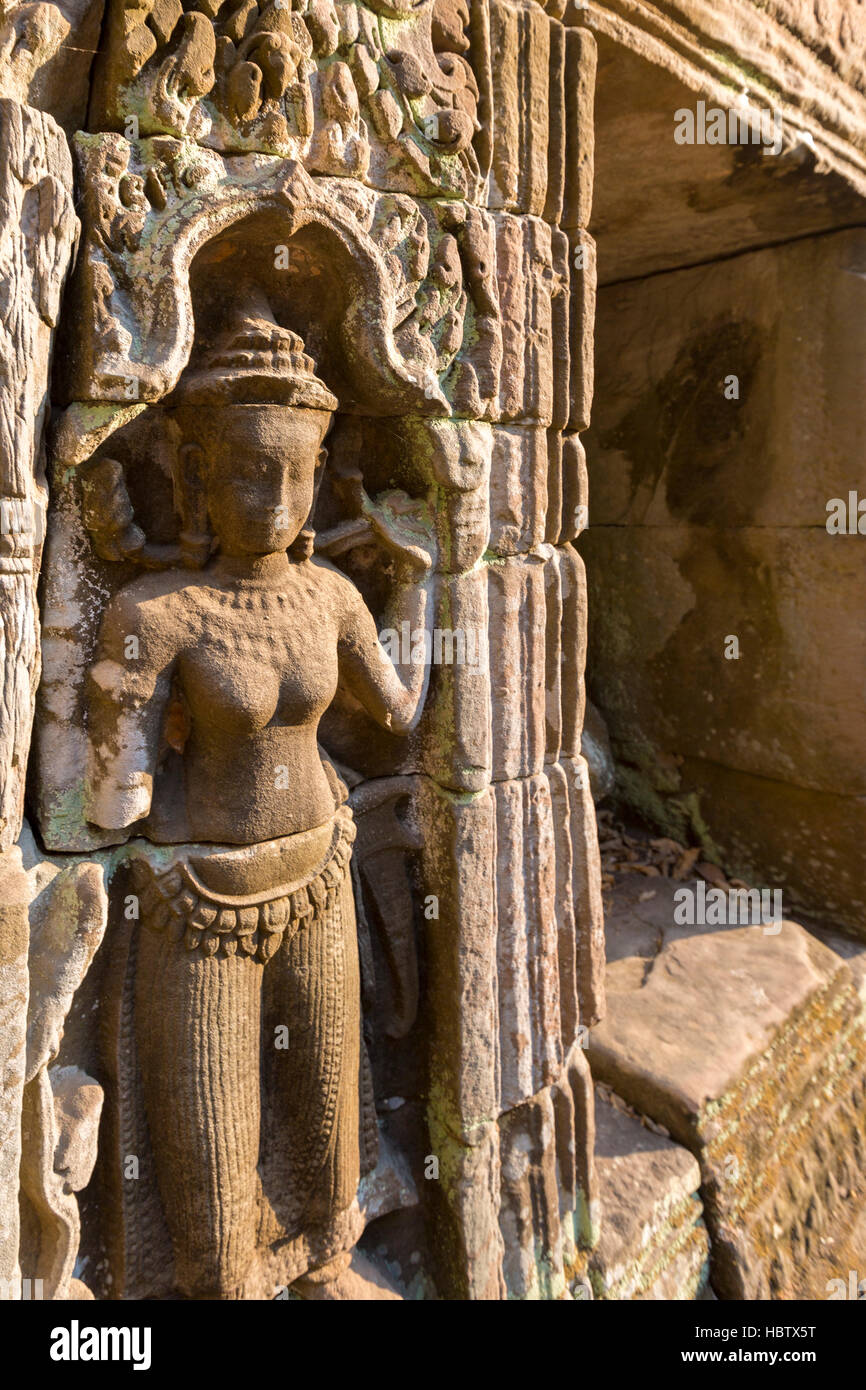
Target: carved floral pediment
[[404, 290], [383, 93]]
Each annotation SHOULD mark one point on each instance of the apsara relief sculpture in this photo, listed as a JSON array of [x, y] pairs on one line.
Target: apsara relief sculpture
[[312, 846], [302, 952], [209, 735]]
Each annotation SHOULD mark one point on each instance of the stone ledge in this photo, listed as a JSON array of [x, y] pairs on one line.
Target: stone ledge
[[719, 49], [653, 1242], [750, 1048]]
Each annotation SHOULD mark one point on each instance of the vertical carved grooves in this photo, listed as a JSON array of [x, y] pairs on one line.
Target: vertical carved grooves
[[37, 230], [192, 1041], [317, 1078], [20, 661], [565, 906], [137, 1244], [197, 1027]]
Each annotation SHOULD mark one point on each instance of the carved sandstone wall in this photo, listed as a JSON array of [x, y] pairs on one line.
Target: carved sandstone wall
[[391, 201], [38, 229], [724, 261], [298, 958]]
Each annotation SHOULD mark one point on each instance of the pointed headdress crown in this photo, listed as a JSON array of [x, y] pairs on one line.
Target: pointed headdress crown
[[255, 362]]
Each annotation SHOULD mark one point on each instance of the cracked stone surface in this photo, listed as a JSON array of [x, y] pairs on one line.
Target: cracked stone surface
[[747, 1044], [654, 1242]]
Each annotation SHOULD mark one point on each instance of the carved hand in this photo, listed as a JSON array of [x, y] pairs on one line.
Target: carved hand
[[404, 526]]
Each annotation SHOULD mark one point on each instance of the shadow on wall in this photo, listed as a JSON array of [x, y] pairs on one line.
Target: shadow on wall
[[726, 650]]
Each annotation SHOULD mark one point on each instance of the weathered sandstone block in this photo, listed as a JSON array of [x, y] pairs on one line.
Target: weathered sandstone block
[[654, 1242], [728, 419], [748, 1044]]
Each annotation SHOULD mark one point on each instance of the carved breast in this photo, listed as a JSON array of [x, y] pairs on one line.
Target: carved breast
[[259, 664]]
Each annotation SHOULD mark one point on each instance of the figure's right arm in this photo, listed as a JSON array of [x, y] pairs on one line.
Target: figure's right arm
[[127, 691]]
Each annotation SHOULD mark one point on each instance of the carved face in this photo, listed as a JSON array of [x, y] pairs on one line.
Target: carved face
[[259, 469]]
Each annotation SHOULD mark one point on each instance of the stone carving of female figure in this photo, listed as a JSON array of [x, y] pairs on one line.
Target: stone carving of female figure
[[204, 705]]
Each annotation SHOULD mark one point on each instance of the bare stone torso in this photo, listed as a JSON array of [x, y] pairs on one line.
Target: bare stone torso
[[255, 668]]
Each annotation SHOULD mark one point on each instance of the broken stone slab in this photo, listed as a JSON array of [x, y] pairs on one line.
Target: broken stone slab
[[653, 1243], [389, 1187], [748, 1044], [842, 1247]]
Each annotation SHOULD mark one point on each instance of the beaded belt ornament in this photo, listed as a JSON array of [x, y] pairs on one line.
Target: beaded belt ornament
[[254, 924]]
